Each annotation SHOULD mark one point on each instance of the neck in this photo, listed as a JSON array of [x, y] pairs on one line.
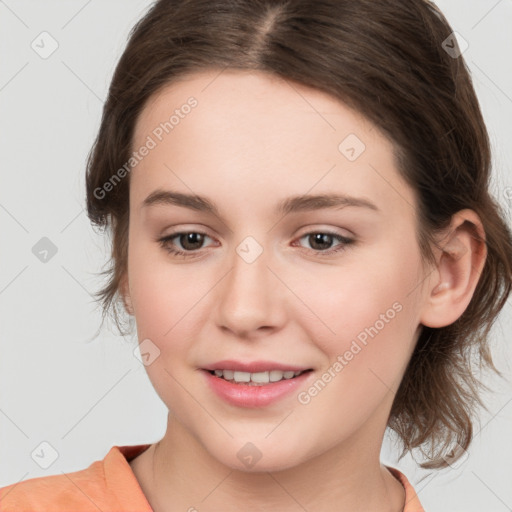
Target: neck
[[178, 473]]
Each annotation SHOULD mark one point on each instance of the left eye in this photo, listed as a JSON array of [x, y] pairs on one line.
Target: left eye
[[320, 239]]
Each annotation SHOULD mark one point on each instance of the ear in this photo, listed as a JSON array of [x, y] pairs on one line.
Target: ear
[[124, 288], [458, 269]]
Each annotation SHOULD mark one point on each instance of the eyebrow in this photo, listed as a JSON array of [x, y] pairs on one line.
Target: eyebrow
[[289, 205]]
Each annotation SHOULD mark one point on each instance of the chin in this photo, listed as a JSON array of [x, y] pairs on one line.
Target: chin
[[248, 457]]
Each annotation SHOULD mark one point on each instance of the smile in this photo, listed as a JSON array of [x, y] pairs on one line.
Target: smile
[[255, 389], [255, 379]]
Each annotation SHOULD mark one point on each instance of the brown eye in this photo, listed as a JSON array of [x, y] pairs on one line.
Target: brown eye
[[191, 241], [321, 242]]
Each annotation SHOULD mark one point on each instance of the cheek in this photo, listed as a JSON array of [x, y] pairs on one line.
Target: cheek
[[166, 300], [365, 311], [172, 305], [161, 292], [373, 321]]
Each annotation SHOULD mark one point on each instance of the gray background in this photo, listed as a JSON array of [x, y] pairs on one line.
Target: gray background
[[82, 396]]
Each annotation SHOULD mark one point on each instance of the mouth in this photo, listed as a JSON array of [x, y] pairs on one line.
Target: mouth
[[261, 378], [261, 387]]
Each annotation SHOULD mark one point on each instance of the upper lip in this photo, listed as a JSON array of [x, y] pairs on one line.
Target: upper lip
[[254, 366]]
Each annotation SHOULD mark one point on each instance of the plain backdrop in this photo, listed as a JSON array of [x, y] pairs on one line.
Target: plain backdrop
[[74, 398]]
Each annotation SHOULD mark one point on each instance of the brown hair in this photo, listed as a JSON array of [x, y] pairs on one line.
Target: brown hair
[[387, 61]]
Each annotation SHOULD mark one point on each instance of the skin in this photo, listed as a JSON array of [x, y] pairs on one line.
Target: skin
[[253, 140]]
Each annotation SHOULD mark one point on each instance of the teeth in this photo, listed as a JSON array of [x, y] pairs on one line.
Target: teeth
[[260, 377], [275, 375], [256, 378], [242, 377], [228, 374]]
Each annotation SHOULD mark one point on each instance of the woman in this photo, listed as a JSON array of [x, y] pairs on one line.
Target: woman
[[304, 234]]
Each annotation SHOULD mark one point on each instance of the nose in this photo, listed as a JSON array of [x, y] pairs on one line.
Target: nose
[[250, 299]]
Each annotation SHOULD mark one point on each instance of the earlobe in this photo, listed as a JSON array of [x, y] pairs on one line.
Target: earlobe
[[459, 266]]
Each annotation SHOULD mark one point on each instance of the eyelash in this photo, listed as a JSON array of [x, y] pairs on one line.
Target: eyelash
[[164, 242]]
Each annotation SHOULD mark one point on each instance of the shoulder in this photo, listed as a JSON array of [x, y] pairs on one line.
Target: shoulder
[[78, 490], [105, 485]]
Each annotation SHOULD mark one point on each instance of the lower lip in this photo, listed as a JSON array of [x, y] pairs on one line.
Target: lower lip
[[243, 395]]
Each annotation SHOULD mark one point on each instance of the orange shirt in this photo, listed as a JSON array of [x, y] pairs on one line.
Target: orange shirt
[[108, 485]]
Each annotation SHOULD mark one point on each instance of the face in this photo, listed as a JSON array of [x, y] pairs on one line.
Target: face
[[328, 285]]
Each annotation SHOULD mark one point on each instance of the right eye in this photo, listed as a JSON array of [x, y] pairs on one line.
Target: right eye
[[188, 239]]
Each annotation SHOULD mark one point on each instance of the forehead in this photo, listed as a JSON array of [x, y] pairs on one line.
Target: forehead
[[253, 130], [257, 94]]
